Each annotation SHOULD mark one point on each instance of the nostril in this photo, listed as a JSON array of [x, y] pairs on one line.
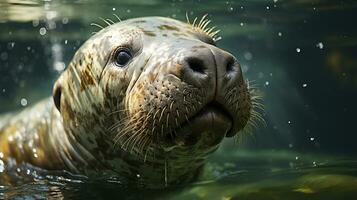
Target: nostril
[[196, 65], [230, 65]]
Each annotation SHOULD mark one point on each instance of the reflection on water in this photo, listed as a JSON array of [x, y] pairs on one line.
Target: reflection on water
[[255, 175], [300, 53]]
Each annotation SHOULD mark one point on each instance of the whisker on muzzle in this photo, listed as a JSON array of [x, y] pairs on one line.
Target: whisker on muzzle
[[256, 118]]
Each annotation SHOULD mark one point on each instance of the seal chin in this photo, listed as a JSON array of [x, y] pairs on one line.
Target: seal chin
[[209, 126]]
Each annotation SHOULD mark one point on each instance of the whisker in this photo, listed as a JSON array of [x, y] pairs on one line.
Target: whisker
[[116, 16], [111, 21], [97, 25], [105, 21]]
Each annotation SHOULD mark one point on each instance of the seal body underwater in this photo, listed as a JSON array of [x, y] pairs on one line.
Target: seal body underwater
[[146, 98]]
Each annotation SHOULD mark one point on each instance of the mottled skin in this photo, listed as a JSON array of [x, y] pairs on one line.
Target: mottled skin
[[154, 120]]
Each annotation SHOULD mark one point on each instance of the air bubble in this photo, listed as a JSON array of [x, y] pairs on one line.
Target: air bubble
[[65, 20], [248, 55], [43, 31], [35, 23], [320, 45], [59, 66], [2, 166], [4, 56], [23, 102]]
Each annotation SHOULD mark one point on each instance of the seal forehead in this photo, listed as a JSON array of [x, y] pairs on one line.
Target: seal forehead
[[164, 29], [118, 35]]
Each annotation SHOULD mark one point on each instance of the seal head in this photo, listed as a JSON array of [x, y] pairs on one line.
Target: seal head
[[151, 96]]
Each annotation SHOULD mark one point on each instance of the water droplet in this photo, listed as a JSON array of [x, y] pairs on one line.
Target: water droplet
[[320, 45], [248, 55], [267, 83], [304, 85], [245, 68], [280, 34], [35, 23], [4, 56], [268, 7], [138, 175], [59, 66], [291, 145], [23, 102], [312, 138], [297, 158], [289, 122], [230, 9], [275, 1], [291, 165], [51, 25], [10, 45], [241, 24], [43, 31], [2, 166], [128, 11], [65, 20], [298, 50], [113, 9]]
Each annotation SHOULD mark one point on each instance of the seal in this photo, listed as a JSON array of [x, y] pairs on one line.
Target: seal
[[147, 99]]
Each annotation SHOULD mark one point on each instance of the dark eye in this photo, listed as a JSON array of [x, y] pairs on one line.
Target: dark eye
[[122, 57]]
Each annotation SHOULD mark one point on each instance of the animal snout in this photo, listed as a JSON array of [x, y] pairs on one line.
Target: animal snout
[[208, 67]]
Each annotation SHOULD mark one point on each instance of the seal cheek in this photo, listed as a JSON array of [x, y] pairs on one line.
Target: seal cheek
[[57, 93]]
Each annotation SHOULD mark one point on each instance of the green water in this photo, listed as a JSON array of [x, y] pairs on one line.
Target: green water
[[301, 54], [243, 175]]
